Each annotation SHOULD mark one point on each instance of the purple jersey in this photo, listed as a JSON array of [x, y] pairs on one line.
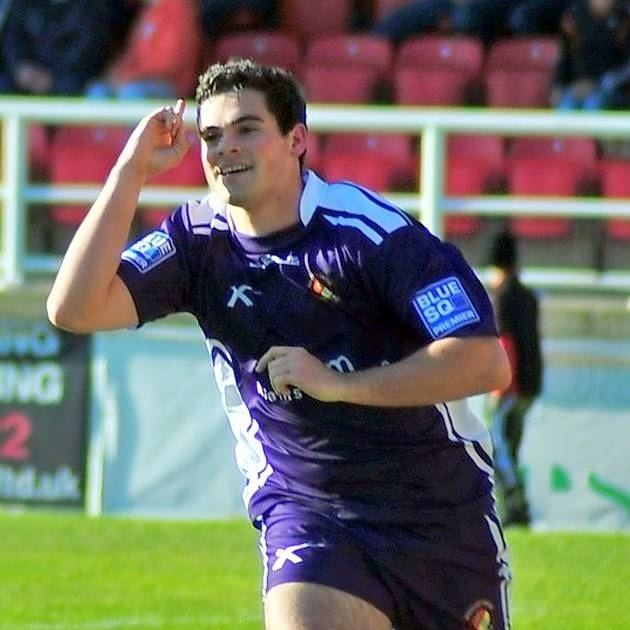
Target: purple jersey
[[358, 283]]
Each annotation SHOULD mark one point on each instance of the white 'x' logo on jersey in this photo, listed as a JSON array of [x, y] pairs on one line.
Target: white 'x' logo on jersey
[[240, 293], [289, 553]]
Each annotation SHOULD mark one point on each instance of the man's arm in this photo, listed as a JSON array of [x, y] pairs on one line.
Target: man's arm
[[445, 370], [87, 294]]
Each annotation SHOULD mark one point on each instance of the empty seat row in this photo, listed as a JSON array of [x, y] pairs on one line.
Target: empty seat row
[[424, 70], [475, 165]]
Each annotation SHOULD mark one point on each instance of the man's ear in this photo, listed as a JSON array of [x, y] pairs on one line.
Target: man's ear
[[298, 134]]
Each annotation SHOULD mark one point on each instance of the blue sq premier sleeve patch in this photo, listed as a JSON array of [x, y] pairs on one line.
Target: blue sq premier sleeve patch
[[150, 251], [444, 307]]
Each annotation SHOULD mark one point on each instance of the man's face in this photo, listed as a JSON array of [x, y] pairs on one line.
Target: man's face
[[601, 7], [246, 159]]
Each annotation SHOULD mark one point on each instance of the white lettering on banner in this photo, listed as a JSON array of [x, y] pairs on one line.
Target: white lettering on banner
[[29, 484], [38, 341], [445, 307], [40, 383], [250, 456]]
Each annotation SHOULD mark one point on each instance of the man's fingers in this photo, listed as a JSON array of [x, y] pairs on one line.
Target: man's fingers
[[180, 107], [273, 353]]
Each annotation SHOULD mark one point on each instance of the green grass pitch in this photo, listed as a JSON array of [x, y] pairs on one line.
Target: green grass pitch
[[68, 571]]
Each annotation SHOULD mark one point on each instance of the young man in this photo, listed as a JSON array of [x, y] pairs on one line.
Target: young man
[[338, 329], [516, 308]]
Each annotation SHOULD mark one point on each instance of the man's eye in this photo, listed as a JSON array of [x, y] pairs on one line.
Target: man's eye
[[211, 138], [246, 130]]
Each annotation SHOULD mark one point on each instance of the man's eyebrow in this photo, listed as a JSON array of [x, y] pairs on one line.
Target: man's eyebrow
[[237, 121]]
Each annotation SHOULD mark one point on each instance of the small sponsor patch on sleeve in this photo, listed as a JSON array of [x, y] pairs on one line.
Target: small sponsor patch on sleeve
[[150, 251], [444, 307]]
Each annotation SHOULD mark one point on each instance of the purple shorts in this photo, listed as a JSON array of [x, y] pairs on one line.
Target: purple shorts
[[434, 576]]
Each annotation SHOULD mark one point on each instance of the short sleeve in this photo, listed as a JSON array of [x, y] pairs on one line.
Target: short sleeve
[[428, 286], [155, 269]]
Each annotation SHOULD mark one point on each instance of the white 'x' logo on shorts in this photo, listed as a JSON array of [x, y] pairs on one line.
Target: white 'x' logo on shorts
[[289, 553]]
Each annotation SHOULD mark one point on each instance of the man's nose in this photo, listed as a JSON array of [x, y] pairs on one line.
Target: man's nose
[[228, 144]]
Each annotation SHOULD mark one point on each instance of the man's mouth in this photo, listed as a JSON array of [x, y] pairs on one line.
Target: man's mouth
[[236, 168]]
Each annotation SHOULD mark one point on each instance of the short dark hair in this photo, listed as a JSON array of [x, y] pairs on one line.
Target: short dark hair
[[283, 95], [503, 252]]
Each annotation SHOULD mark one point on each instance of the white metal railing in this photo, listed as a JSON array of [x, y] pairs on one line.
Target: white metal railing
[[16, 192]]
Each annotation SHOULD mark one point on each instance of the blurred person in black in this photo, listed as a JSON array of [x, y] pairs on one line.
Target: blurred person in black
[[517, 314], [530, 17], [476, 18], [595, 48], [52, 46], [215, 13]]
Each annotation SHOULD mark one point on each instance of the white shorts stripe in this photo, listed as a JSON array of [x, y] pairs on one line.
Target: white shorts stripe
[[504, 568], [264, 554]]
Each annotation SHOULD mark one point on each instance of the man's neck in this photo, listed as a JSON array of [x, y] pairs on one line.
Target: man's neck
[[499, 277], [273, 215]]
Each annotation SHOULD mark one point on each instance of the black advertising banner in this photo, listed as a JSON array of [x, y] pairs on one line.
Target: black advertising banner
[[44, 393]]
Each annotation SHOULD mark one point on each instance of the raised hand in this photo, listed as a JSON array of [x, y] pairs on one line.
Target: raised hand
[[159, 142]]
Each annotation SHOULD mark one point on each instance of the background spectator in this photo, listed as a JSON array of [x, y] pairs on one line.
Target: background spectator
[[536, 16], [516, 311], [52, 46], [480, 18], [594, 47], [214, 13], [162, 55]]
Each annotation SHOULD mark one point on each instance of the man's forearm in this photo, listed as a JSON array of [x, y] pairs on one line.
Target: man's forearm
[[92, 259], [448, 369]]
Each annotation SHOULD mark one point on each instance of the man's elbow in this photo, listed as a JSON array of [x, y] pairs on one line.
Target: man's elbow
[[499, 373], [62, 316]]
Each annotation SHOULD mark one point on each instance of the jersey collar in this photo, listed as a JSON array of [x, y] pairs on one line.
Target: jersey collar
[[312, 192]]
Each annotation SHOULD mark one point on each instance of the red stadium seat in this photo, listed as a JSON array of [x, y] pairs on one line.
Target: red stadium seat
[[396, 145], [345, 68], [38, 149], [517, 88], [355, 50], [490, 149], [399, 159], [547, 176], [518, 71], [436, 51], [188, 172], [579, 149], [269, 47], [374, 171], [305, 19], [340, 84], [82, 155], [431, 86], [524, 52], [615, 177], [467, 174], [583, 150], [435, 70]]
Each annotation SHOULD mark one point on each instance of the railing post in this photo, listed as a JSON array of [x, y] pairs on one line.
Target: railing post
[[432, 179], [14, 166]]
